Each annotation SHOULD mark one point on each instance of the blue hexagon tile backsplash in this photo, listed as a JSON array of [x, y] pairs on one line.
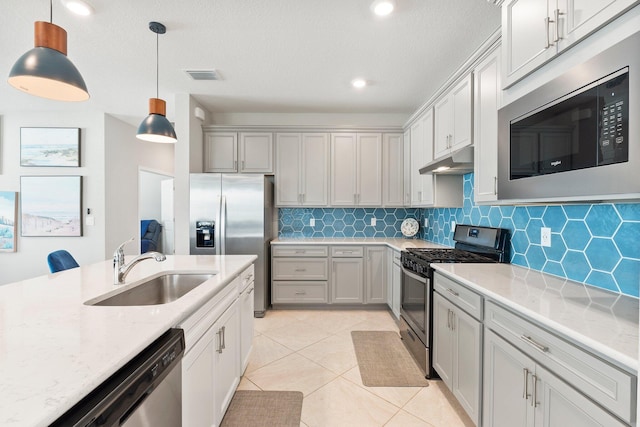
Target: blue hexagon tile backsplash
[[598, 244]]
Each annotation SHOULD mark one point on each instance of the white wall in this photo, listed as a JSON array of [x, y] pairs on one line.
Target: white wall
[[124, 155], [31, 257], [188, 159]]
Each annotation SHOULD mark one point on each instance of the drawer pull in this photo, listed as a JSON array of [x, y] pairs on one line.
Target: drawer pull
[[250, 291], [301, 293], [300, 251], [529, 340], [301, 269], [452, 292]]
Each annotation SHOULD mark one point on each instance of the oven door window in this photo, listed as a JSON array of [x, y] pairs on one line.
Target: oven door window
[[413, 299]]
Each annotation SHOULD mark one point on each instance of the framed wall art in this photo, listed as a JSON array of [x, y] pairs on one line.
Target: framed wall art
[[8, 215], [51, 205], [50, 147]]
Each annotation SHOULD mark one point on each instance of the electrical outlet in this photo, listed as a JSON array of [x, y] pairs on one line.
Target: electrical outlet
[[373, 222], [426, 222], [545, 236], [312, 222], [453, 226]]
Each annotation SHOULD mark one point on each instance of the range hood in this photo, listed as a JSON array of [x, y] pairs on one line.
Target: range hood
[[458, 162]]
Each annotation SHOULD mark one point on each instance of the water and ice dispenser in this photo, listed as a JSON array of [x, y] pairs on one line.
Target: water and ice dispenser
[[205, 231]]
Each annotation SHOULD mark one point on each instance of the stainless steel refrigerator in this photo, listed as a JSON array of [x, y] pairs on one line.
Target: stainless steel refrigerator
[[232, 214]]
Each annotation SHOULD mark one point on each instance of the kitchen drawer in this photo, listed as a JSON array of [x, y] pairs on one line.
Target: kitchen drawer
[[607, 385], [246, 278], [300, 269], [301, 251], [347, 251], [460, 295], [300, 292]]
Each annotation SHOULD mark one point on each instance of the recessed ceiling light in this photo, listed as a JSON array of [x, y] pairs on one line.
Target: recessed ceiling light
[[358, 83], [383, 7], [79, 7]]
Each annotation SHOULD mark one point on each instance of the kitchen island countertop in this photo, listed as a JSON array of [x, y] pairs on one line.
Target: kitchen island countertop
[[54, 349]]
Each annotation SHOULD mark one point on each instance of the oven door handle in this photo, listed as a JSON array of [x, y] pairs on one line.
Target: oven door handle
[[414, 276]]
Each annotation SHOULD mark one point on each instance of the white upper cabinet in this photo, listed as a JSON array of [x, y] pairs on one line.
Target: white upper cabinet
[[421, 154], [302, 167], [220, 152], [244, 152], [453, 119], [356, 169], [534, 31], [486, 103], [393, 170], [407, 167]]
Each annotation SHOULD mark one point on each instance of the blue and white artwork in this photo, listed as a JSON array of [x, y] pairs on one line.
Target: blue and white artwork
[[8, 209], [51, 205], [50, 147]]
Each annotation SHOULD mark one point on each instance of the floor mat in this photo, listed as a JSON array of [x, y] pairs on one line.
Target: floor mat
[[384, 361], [264, 409]]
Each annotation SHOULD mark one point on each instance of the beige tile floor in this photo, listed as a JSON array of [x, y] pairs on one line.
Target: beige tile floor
[[311, 351]]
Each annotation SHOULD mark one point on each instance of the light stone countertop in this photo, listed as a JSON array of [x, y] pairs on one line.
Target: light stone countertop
[[398, 244], [54, 349], [605, 322]]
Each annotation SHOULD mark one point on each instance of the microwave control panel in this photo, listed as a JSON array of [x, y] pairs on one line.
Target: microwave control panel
[[613, 140]]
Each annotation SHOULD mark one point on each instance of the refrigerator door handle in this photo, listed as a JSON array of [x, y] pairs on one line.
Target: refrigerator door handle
[[223, 225], [218, 227]]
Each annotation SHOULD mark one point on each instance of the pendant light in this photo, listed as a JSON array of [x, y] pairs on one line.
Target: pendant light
[[45, 70], [156, 127]]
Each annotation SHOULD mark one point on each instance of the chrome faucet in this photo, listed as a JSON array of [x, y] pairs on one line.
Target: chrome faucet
[[120, 269]]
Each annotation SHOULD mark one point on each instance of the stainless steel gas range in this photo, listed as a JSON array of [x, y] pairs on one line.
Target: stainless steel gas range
[[474, 244]]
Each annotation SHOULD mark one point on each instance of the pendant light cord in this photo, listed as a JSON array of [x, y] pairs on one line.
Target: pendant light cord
[[51, 11], [157, 66]]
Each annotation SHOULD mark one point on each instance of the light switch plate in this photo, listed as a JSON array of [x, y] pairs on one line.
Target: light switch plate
[[545, 236], [312, 222], [90, 220], [373, 222]]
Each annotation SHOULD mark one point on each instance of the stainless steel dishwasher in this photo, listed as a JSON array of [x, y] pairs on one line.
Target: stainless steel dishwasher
[[147, 391]]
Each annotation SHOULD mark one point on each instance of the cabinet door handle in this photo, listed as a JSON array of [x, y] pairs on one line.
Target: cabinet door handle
[[452, 292], [219, 334], [448, 319], [534, 397], [529, 340], [251, 291], [453, 320], [235, 165], [224, 340], [243, 165], [556, 14], [547, 21], [495, 185], [303, 197], [525, 386]]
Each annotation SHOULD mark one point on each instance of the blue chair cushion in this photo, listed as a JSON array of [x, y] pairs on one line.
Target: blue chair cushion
[[61, 260], [150, 230]]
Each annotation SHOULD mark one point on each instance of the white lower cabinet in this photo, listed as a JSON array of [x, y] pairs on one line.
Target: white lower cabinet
[[396, 284], [457, 347], [347, 281], [215, 336], [520, 392], [375, 275], [226, 370]]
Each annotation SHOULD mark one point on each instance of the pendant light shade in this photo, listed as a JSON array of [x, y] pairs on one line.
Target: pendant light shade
[[45, 70], [156, 127]]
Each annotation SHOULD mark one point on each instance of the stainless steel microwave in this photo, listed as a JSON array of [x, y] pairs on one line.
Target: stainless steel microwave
[[578, 136]]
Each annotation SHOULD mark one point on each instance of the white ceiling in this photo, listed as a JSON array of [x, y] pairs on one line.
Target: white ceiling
[[278, 56]]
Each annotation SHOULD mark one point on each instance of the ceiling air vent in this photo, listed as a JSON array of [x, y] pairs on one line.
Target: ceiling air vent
[[203, 74]]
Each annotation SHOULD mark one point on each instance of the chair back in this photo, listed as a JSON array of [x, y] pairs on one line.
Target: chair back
[[61, 260]]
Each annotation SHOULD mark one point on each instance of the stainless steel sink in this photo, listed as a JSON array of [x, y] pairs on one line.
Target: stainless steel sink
[[159, 290]]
